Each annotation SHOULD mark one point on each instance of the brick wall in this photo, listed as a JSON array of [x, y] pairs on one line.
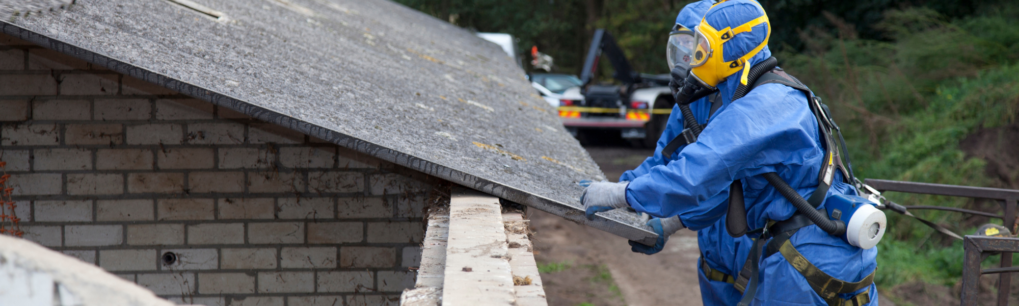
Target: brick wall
[[120, 173]]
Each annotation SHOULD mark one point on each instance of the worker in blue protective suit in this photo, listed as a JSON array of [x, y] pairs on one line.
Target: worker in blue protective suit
[[769, 132], [722, 256]]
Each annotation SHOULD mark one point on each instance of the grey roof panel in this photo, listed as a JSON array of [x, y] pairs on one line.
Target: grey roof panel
[[373, 76]]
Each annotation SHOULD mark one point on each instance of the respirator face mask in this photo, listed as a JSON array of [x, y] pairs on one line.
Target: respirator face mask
[[679, 50]]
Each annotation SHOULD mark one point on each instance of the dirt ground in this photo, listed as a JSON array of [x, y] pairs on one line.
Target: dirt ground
[[581, 265], [586, 266]]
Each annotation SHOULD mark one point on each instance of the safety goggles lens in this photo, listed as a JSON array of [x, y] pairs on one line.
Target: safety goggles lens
[[680, 49], [701, 52]]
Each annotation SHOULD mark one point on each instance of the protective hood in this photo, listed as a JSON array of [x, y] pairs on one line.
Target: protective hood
[[692, 13], [731, 36]]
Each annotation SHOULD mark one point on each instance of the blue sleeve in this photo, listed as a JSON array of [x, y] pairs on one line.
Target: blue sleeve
[[769, 127], [672, 129]]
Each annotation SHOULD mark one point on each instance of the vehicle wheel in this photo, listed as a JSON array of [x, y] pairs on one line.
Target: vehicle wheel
[[656, 126]]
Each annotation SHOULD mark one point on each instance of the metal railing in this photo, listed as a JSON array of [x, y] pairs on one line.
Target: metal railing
[[976, 247]]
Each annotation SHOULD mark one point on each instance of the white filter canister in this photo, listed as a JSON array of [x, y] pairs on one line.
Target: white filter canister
[[866, 227]]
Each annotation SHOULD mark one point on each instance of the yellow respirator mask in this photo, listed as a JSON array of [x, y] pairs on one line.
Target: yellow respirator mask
[[708, 63]]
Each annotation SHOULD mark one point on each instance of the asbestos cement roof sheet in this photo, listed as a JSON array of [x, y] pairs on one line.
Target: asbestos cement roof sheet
[[370, 75]]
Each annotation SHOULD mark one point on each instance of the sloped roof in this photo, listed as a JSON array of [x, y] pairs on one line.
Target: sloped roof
[[370, 75]]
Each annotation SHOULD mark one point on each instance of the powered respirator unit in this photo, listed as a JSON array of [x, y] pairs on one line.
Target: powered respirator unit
[[865, 224]]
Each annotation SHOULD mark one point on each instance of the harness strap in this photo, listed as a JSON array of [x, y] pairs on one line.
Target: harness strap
[[715, 275], [823, 284], [688, 136]]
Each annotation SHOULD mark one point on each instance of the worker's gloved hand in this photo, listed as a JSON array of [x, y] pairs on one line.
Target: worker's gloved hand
[[664, 228], [603, 196]]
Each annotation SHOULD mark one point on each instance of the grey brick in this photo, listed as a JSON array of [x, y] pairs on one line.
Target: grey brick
[[63, 211], [192, 259], [123, 109], [28, 85], [47, 59], [93, 235], [89, 84], [411, 257], [246, 208], [61, 110], [305, 208], [275, 182], [376, 300], [308, 257], [216, 233], [155, 182], [282, 282], [124, 210], [395, 232], [216, 182], [243, 259], [260, 301], [335, 232], [133, 86], [367, 257], [183, 109], [219, 283], [63, 159], [396, 281], [276, 232], [37, 134], [361, 207], [271, 133], [185, 209], [411, 205], [335, 181], [12, 59], [391, 183], [45, 235], [94, 134], [216, 133], [185, 158], [124, 159], [17, 160], [14, 110], [345, 281], [317, 300], [156, 133], [155, 234], [88, 256], [35, 184], [250, 158], [95, 184], [168, 283], [307, 157], [127, 260]]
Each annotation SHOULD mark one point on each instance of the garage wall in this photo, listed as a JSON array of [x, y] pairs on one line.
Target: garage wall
[[199, 203]]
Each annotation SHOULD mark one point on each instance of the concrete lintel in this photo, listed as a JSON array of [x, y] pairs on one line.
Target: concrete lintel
[[477, 269]]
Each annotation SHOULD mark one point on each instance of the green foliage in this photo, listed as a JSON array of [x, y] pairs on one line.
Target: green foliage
[[553, 267], [905, 103]]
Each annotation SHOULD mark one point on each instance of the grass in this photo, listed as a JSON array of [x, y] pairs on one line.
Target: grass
[[553, 267]]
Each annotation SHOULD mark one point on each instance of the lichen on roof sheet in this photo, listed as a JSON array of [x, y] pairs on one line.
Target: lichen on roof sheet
[[371, 75]]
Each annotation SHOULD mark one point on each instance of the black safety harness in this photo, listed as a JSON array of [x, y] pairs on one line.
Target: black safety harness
[[827, 287]]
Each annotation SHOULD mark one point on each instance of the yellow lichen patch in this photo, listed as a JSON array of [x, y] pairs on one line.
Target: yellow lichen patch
[[522, 281], [538, 129], [498, 150], [560, 163]]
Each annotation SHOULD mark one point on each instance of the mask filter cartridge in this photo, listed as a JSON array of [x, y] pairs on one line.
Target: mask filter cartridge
[[865, 224]]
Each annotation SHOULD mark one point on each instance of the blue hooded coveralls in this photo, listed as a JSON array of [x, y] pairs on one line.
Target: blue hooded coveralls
[[771, 129], [719, 250]]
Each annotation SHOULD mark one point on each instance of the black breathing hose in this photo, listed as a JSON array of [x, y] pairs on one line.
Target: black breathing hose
[[689, 121], [832, 227], [755, 72]]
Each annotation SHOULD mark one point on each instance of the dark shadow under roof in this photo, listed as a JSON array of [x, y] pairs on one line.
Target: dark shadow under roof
[[370, 75]]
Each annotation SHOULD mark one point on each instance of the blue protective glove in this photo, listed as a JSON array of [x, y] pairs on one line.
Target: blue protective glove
[[664, 228], [603, 196]]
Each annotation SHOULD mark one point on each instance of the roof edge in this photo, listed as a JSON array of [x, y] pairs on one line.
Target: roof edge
[[498, 189]]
